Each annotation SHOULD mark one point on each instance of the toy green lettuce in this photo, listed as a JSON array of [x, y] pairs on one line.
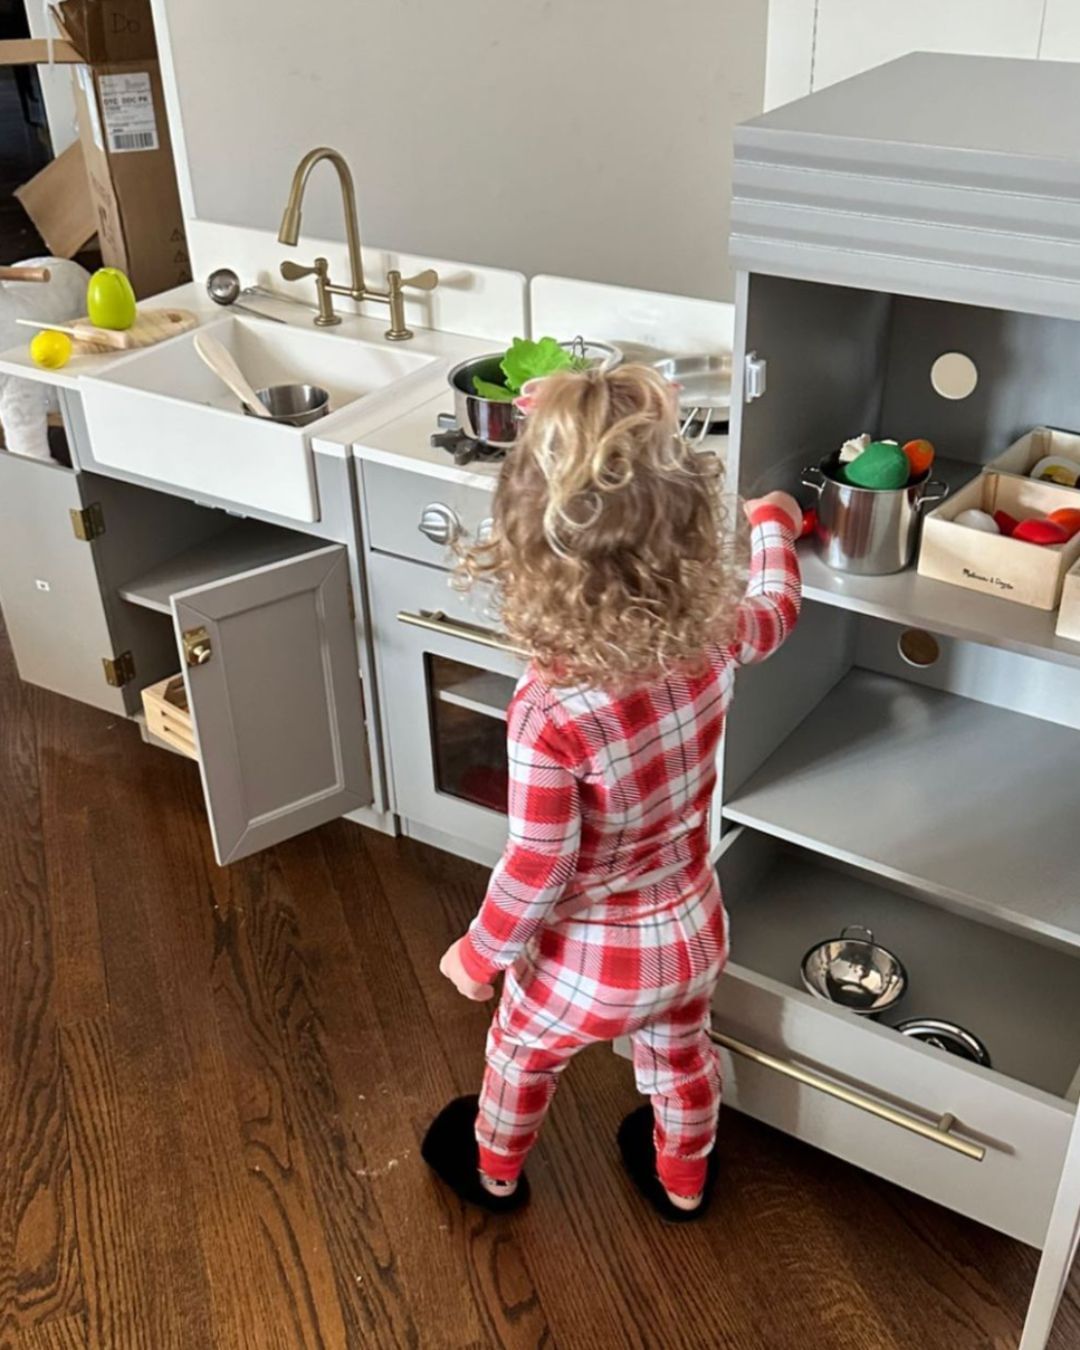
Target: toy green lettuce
[[525, 361]]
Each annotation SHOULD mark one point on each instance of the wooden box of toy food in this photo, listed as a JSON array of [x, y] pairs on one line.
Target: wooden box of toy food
[[168, 716], [1027, 573], [1068, 622], [1051, 452]]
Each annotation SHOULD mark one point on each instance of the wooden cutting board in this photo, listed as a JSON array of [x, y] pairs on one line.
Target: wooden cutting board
[[150, 326]]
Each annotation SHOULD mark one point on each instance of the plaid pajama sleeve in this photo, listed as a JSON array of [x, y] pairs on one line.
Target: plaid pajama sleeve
[[540, 858], [774, 593]]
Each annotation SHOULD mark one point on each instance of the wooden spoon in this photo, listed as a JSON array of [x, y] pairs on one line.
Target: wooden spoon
[[221, 362]]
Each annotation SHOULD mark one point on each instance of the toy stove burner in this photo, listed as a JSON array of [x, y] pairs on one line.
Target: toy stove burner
[[464, 449]]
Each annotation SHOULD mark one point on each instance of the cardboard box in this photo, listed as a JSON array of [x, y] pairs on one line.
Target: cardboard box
[[125, 139], [1029, 574], [1022, 456], [58, 201], [1068, 621]]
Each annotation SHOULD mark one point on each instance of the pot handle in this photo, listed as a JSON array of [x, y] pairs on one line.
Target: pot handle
[[935, 491], [858, 928], [818, 482]]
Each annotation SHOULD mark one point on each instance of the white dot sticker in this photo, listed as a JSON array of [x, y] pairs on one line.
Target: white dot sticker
[[954, 375]]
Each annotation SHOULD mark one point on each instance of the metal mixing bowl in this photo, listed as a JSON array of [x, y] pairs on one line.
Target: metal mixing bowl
[[294, 404], [855, 972]]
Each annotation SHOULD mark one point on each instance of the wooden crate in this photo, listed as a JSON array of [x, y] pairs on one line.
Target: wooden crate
[[1068, 622], [168, 716], [1022, 456], [1029, 574]]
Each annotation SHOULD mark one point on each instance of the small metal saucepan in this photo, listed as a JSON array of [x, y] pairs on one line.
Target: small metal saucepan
[[484, 419], [855, 972], [945, 1035], [295, 405]]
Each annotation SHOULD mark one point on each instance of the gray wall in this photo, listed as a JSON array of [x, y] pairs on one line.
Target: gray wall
[[586, 138]]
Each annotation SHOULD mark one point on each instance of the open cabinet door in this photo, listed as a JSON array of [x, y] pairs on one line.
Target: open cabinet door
[[272, 678]]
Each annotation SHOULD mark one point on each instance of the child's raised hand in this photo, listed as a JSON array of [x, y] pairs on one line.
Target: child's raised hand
[[782, 501], [451, 966]]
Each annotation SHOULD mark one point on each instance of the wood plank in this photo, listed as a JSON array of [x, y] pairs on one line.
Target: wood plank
[[64, 1333], [39, 1260]]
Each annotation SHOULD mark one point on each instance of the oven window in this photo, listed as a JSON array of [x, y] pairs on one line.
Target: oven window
[[468, 730]]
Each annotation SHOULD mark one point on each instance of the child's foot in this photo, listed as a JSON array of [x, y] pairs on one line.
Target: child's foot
[[450, 1150], [494, 1186], [638, 1148]]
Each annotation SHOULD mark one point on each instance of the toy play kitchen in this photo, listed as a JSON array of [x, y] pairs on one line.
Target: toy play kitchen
[[908, 763]]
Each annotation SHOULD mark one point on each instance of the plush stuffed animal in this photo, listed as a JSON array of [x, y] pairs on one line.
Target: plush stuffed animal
[[25, 404]]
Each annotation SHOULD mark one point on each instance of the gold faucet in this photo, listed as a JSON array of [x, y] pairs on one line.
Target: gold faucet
[[289, 233]]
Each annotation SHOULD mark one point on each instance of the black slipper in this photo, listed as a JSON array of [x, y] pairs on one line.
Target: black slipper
[[450, 1150], [638, 1149]]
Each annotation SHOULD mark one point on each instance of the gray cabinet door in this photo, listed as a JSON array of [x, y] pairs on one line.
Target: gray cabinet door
[[277, 703], [49, 589]]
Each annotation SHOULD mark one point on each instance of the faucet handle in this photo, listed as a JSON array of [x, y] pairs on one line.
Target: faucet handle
[[295, 271], [423, 281]]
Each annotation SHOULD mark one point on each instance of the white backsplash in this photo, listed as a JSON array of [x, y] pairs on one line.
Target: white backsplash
[[482, 302], [643, 323]]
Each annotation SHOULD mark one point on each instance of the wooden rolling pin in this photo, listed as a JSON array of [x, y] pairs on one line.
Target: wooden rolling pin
[[25, 274]]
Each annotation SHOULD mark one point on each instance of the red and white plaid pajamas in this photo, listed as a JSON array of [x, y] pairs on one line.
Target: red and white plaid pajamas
[[603, 910]]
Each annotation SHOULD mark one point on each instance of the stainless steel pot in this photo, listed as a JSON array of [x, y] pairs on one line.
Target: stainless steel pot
[[856, 972], [869, 531], [483, 419]]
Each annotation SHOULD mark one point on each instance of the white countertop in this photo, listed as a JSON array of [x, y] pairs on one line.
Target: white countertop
[[404, 442]]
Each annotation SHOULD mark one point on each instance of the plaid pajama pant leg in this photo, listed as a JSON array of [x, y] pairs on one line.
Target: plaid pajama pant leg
[[654, 984], [677, 1067]]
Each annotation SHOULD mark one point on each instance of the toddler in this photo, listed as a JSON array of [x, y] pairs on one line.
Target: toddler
[[618, 573]]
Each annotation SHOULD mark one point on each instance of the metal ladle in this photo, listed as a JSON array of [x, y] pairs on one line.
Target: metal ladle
[[223, 287]]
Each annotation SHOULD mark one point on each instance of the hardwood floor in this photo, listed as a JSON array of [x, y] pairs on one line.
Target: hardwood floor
[[213, 1084]]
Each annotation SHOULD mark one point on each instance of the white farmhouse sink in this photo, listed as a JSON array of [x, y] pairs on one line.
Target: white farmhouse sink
[[161, 414]]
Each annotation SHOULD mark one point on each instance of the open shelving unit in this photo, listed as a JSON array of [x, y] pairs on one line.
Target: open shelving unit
[[875, 227], [964, 801]]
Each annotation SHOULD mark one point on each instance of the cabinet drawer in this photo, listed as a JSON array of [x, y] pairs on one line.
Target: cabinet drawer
[[395, 502], [1019, 997]]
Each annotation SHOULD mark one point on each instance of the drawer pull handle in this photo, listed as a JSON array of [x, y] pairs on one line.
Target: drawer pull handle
[[435, 621], [941, 1133]]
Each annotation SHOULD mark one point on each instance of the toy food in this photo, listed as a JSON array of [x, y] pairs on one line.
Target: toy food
[[1068, 517], [882, 465], [853, 448], [920, 455], [1007, 524], [974, 519], [1057, 469], [51, 350], [809, 523], [1040, 532], [110, 301]]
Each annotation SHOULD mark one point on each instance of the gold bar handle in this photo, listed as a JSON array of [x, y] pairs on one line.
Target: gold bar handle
[[941, 1133], [435, 621]]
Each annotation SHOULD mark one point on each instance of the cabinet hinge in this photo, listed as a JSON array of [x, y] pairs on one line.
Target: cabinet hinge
[[756, 368], [119, 670], [352, 602], [89, 523]]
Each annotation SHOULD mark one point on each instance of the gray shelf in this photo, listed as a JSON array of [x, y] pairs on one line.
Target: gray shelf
[[1021, 998], [964, 802], [238, 548], [910, 599]]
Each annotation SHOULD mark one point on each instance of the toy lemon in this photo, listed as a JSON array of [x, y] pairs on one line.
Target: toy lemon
[[50, 349]]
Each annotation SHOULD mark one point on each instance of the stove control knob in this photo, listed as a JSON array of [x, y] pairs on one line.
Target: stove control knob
[[440, 524], [485, 530]]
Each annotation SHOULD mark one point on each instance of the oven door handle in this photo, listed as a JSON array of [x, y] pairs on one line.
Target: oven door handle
[[435, 621]]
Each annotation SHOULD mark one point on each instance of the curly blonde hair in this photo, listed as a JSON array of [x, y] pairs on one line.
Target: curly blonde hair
[[610, 552]]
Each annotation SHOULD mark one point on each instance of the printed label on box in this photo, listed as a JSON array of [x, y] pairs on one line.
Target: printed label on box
[[86, 81], [127, 104]]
